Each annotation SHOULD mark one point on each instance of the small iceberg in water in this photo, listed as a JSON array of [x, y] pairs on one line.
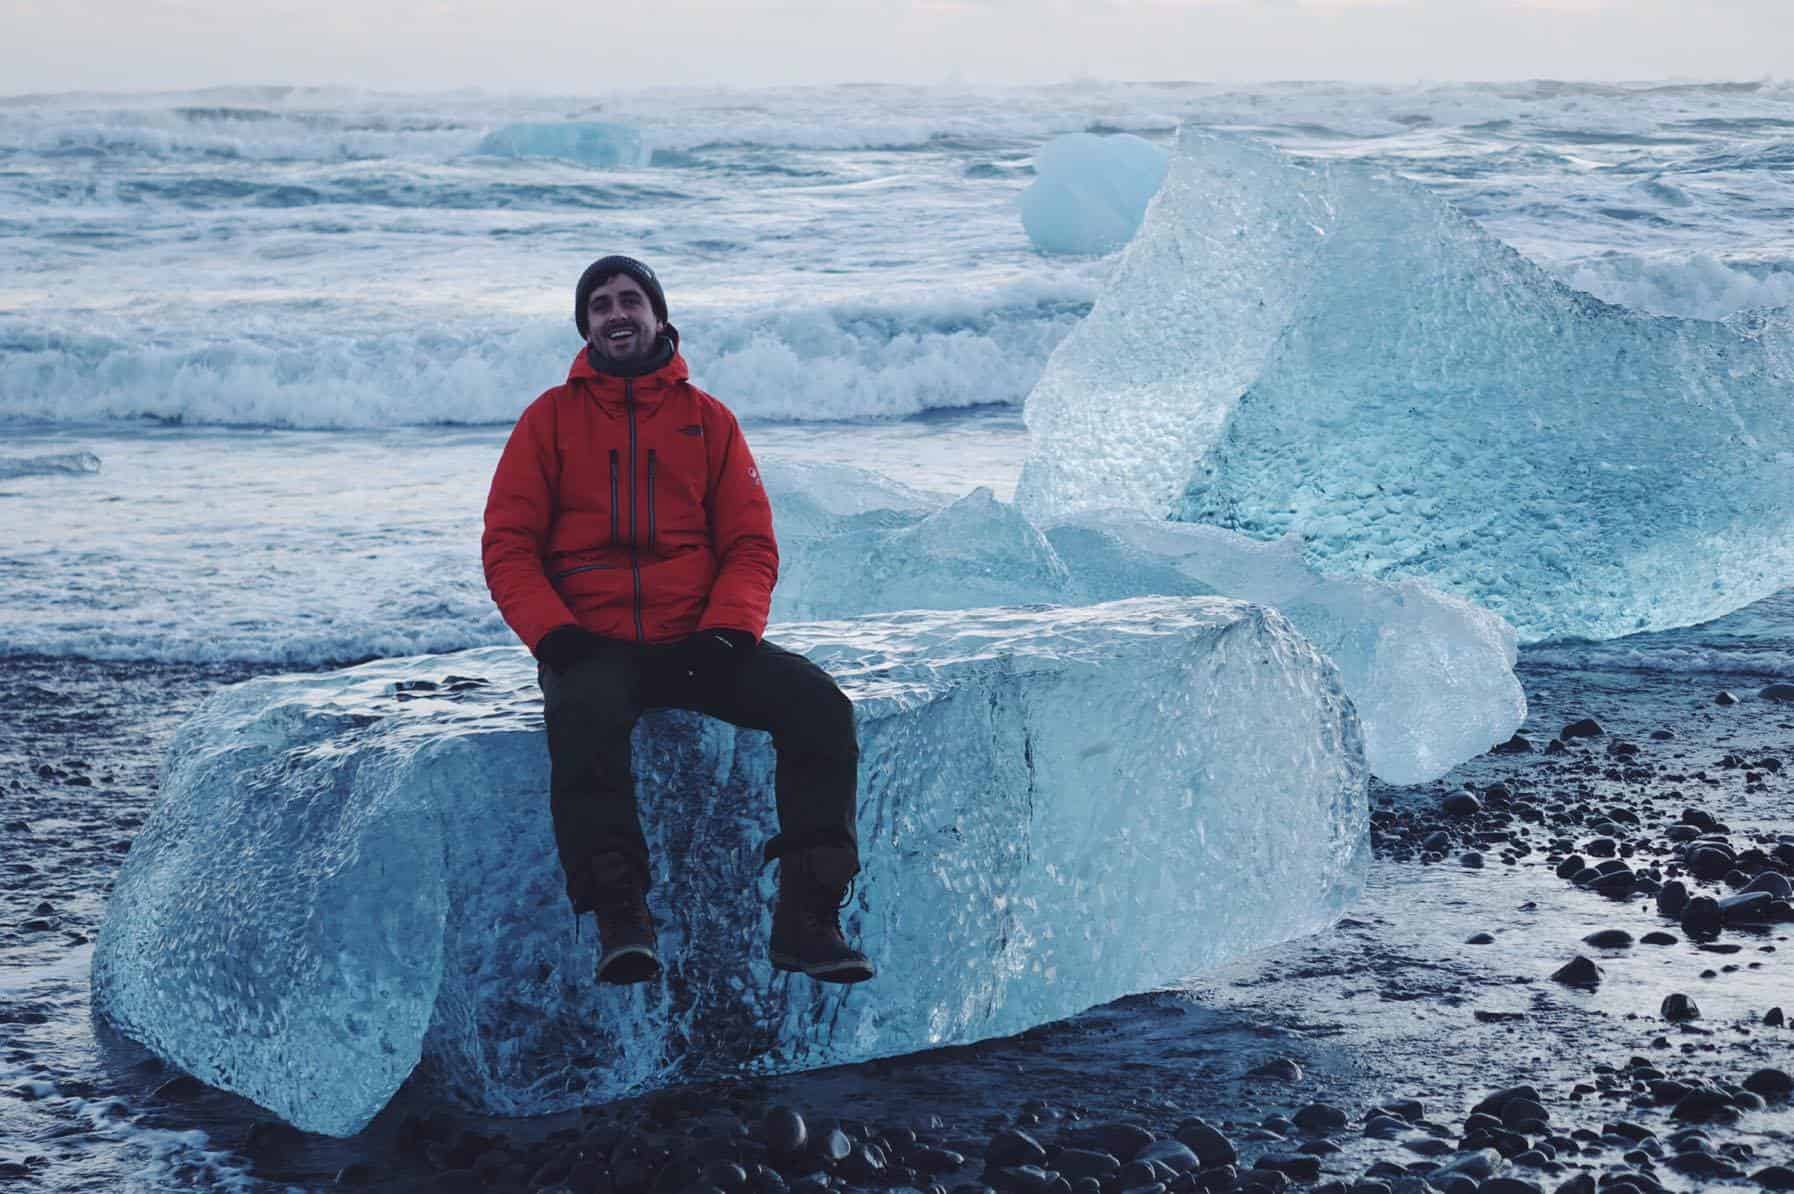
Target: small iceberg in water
[[62, 463], [589, 142]]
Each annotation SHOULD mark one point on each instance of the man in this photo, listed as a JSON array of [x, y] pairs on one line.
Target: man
[[629, 543]]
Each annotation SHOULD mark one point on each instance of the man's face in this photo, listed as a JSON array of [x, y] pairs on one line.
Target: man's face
[[620, 323]]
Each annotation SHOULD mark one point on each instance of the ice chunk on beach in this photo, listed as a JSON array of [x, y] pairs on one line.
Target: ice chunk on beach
[[1432, 675], [1325, 351], [591, 142], [977, 551], [1090, 191], [816, 498], [352, 872]]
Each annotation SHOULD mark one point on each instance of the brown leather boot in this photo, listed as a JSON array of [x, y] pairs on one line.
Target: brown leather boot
[[626, 946], [806, 921]]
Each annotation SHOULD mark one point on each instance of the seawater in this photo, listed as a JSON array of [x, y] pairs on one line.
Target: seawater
[[293, 324]]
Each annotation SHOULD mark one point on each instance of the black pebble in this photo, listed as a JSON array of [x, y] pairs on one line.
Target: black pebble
[[1701, 917], [1578, 972], [1678, 1008], [1587, 727], [1609, 939], [1770, 1083]]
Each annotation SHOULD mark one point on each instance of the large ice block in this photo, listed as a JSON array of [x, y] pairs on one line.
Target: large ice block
[[1431, 674], [353, 871], [1321, 350]]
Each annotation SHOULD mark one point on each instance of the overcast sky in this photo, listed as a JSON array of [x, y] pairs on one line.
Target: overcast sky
[[590, 45]]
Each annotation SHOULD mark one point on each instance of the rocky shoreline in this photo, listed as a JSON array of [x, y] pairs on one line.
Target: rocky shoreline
[[1568, 973]]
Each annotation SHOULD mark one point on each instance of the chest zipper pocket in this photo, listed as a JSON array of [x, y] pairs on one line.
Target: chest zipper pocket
[[651, 498], [613, 496], [560, 576]]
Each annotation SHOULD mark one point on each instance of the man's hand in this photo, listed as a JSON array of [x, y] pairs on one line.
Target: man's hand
[[565, 646], [711, 656]]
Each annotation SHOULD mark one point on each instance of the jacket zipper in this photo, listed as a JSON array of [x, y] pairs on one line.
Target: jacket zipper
[[635, 560], [613, 496], [650, 499]]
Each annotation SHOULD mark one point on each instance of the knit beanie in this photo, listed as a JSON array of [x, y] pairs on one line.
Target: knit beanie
[[603, 268]]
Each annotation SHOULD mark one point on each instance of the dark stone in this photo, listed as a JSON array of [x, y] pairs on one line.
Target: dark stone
[[1022, 1179], [1480, 939], [1708, 861], [1701, 918], [1211, 1148], [1075, 1163], [930, 1159], [725, 1175], [1775, 1177], [1320, 1118], [1672, 897], [355, 1173], [1123, 1141], [1471, 860], [1172, 1154], [1748, 908], [1679, 1009], [784, 1132], [1572, 866], [1516, 1112], [1011, 1148], [1699, 1164], [1578, 972], [1462, 804], [1600, 847], [1280, 1068], [1659, 937], [1509, 1185], [1773, 882], [1296, 1167], [1771, 1083], [1587, 727], [1779, 691], [834, 1145], [1609, 939], [1519, 744], [1725, 698], [1773, 1018], [1701, 1106]]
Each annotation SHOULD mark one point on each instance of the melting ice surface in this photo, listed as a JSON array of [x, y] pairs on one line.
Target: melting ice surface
[[1324, 351], [1431, 674], [593, 143], [1090, 191], [354, 871]]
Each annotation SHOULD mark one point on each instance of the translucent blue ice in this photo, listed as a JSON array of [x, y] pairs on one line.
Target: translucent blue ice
[[352, 872], [1432, 675], [1090, 191], [592, 142], [1327, 352]]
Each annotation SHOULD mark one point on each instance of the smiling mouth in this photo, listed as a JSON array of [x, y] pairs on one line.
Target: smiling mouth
[[620, 333]]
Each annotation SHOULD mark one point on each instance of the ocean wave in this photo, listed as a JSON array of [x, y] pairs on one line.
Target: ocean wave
[[1693, 286], [841, 363]]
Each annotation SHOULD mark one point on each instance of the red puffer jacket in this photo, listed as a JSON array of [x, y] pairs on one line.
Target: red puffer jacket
[[631, 507]]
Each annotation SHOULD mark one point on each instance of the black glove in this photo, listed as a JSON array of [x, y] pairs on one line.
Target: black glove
[[711, 656], [565, 646]]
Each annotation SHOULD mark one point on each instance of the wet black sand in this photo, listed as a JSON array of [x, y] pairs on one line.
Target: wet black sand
[[1286, 1056]]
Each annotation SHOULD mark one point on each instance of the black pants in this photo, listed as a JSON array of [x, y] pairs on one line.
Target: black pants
[[592, 708]]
